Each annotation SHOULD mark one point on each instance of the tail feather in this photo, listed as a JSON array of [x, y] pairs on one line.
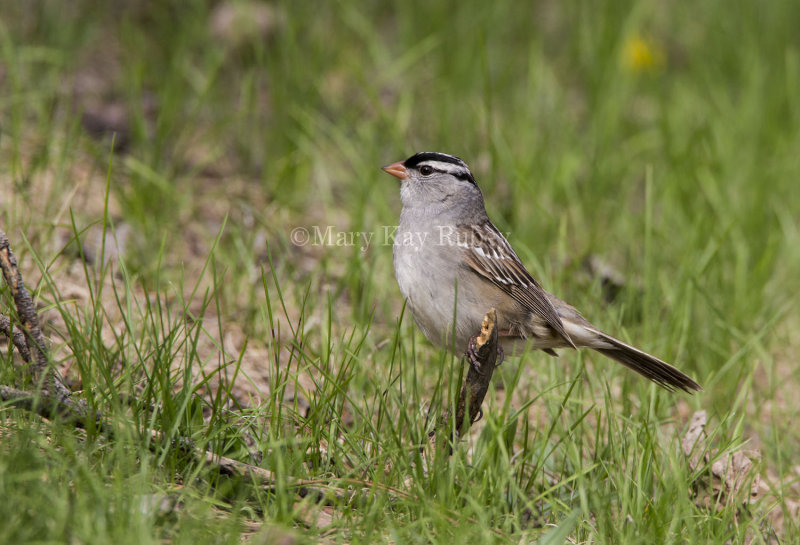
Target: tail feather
[[648, 366]]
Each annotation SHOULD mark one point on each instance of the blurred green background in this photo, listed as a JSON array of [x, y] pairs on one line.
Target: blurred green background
[[660, 138]]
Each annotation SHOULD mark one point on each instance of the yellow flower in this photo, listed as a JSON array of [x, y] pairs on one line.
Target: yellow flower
[[641, 55]]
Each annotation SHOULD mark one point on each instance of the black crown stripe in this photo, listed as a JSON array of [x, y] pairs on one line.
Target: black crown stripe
[[423, 156]]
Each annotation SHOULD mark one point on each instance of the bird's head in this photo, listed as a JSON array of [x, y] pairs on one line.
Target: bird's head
[[433, 179]]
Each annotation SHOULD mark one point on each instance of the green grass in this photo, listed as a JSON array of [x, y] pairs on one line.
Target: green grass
[[205, 321]]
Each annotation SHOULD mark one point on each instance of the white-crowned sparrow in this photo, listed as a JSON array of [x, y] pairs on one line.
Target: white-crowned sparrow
[[451, 261]]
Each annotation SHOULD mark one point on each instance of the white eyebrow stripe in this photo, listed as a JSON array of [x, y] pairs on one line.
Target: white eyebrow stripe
[[450, 168]]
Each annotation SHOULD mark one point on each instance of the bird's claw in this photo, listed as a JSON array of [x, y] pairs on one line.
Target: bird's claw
[[472, 357], [501, 356]]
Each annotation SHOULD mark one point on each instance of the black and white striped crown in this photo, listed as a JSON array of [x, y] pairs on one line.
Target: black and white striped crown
[[440, 162]]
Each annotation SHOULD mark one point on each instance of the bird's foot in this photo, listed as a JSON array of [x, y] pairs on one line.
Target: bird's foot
[[472, 356]]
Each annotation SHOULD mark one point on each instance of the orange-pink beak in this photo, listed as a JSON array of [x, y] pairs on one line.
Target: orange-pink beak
[[397, 170]]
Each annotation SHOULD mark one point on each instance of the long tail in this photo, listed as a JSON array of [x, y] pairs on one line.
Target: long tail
[[648, 366], [585, 335]]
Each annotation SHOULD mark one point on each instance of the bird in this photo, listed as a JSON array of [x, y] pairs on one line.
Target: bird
[[452, 265]]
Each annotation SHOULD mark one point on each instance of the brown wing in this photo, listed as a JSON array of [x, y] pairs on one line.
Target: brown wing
[[489, 254]]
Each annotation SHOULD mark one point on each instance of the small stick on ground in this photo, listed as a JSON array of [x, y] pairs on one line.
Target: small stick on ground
[[44, 373], [482, 356], [16, 336]]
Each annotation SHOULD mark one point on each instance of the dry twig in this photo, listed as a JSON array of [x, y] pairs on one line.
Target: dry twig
[[16, 336], [55, 395], [482, 357]]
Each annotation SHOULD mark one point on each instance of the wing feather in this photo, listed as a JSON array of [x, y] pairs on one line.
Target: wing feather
[[489, 254]]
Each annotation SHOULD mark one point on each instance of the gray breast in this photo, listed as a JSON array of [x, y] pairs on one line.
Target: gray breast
[[426, 277]]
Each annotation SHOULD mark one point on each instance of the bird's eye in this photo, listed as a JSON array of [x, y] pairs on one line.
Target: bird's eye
[[426, 170]]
